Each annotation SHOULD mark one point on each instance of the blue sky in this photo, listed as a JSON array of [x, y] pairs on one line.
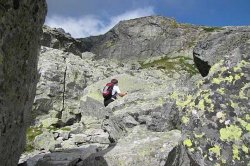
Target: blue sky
[[84, 18]]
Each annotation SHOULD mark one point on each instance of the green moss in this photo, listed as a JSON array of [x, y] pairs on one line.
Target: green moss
[[32, 132], [212, 29], [29, 148], [174, 64], [230, 133], [216, 150], [187, 143]]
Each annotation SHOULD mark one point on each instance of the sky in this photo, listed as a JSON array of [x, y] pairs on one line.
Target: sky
[[83, 18]]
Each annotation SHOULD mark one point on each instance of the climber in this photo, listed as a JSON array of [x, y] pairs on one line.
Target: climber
[[110, 92]]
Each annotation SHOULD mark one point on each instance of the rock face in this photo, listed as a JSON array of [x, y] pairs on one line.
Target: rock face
[[226, 43], [58, 39], [144, 38], [216, 119], [171, 115], [63, 78], [20, 23]]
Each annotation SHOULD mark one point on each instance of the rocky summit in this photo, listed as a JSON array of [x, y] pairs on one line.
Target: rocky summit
[[187, 104]]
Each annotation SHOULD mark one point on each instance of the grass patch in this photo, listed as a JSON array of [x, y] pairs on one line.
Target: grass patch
[[174, 64], [212, 29], [31, 134], [174, 24], [66, 129], [109, 43]]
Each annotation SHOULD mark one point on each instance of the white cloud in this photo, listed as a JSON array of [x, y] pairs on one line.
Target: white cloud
[[91, 25]]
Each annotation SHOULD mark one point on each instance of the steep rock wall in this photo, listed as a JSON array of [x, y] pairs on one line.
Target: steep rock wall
[[145, 37], [20, 29]]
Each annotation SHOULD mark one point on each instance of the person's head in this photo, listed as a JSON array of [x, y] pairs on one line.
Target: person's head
[[114, 81]]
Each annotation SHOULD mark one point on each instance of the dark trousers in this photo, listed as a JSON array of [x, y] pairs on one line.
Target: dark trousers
[[107, 101]]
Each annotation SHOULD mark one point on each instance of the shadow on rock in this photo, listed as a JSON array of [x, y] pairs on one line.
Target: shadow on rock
[[97, 159], [91, 156]]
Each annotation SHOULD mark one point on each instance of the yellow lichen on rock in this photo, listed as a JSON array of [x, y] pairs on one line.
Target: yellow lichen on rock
[[236, 152], [244, 124], [185, 120], [231, 133], [187, 143], [216, 150]]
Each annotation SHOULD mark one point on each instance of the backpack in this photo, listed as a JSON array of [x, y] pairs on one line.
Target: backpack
[[107, 91]]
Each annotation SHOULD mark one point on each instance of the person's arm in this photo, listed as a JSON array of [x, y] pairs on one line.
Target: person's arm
[[122, 94], [119, 92]]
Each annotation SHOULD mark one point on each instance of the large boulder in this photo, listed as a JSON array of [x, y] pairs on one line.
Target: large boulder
[[215, 120], [45, 141], [140, 147], [60, 86], [20, 30]]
